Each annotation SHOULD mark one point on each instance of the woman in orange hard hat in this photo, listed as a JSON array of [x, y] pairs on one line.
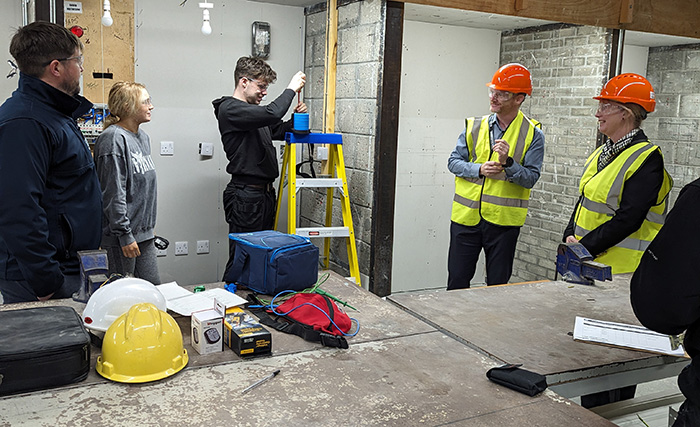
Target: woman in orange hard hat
[[624, 188]]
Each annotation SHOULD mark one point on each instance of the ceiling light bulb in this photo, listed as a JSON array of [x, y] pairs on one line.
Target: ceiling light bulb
[[107, 20], [206, 26]]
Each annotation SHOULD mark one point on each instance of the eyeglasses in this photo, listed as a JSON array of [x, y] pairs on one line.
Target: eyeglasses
[[79, 59], [500, 95], [262, 87], [147, 102], [605, 108]]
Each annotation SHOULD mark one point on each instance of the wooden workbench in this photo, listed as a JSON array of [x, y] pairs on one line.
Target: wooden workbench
[[532, 323], [398, 371]]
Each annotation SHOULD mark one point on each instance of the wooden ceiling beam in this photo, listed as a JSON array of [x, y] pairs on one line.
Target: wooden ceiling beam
[[672, 17]]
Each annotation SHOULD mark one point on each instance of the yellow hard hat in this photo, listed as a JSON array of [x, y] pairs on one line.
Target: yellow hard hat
[[143, 344]]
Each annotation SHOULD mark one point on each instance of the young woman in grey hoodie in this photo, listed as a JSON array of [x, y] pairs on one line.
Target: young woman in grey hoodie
[[128, 181]]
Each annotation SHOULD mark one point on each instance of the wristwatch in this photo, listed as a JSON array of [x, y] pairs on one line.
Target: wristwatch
[[508, 163]]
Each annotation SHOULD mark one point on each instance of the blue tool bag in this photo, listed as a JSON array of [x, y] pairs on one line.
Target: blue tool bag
[[270, 262]]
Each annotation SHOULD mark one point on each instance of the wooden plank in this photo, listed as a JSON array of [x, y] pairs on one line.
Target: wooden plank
[[425, 379], [530, 323], [331, 64], [385, 154], [626, 11], [673, 17], [109, 51], [378, 321]]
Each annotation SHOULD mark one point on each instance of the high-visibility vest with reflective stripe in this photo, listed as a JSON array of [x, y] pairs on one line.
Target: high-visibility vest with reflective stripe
[[494, 199], [601, 194]]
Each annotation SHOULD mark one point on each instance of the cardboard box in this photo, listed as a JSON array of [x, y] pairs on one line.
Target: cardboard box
[[207, 329], [244, 335]]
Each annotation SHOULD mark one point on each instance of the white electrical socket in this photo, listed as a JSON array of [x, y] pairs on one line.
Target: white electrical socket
[[180, 248], [322, 153], [206, 149], [202, 246], [161, 252], [167, 148]]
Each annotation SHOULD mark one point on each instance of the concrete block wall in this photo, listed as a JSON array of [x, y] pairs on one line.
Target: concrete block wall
[[360, 45], [674, 72], [568, 66]]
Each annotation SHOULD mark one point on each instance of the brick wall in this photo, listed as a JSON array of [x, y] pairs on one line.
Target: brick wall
[[674, 72], [568, 66], [360, 46]]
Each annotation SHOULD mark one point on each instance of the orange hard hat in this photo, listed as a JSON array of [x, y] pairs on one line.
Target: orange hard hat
[[629, 88], [512, 78]]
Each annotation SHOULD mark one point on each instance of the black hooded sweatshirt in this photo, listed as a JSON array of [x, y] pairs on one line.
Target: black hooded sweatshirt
[[247, 132], [665, 288]]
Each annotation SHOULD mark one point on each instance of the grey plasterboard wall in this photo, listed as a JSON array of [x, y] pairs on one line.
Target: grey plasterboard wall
[[10, 20], [443, 81], [184, 71]]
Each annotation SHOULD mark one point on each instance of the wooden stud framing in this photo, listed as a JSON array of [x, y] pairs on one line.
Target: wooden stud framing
[[673, 17], [331, 66]]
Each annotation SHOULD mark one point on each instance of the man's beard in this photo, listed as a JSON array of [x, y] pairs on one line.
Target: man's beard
[[71, 88]]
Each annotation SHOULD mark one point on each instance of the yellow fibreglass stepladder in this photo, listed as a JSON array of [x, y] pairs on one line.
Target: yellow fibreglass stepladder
[[338, 179]]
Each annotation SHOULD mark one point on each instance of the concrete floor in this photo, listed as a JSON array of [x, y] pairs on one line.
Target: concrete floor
[[398, 371]]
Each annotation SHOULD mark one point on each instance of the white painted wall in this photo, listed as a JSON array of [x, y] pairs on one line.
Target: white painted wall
[[10, 20], [184, 71], [634, 59], [444, 72]]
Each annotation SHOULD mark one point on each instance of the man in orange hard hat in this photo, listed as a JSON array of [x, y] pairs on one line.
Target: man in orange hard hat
[[496, 162]]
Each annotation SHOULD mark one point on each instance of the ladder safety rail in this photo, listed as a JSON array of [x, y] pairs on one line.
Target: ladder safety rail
[[338, 179]]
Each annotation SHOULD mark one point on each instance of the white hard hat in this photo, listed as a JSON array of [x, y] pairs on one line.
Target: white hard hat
[[114, 299]]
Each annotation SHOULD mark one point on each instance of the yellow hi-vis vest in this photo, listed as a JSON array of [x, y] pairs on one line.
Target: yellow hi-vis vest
[[494, 199], [601, 194]]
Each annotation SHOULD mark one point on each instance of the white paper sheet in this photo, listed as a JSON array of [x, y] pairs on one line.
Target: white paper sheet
[[624, 335], [172, 290], [184, 302]]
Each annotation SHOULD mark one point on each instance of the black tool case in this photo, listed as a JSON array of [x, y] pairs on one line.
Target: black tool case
[[41, 348]]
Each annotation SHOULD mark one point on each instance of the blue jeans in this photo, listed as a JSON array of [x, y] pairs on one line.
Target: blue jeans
[[19, 290]]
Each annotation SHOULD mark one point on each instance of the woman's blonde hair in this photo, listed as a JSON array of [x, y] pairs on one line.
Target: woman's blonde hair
[[124, 100], [638, 113]]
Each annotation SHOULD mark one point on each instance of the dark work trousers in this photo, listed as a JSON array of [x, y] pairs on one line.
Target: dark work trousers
[[248, 208], [466, 243], [689, 384]]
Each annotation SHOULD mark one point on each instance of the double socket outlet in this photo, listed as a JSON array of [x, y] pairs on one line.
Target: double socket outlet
[[181, 248]]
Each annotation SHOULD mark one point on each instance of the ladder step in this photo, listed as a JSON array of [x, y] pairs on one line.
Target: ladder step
[[312, 232], [320, 182]]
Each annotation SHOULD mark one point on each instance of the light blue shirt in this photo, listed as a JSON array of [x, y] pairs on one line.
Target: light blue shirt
[[525, 175]]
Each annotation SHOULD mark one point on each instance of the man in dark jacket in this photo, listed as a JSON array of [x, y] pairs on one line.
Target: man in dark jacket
[[247, 131], [665, 291], [51, 203]]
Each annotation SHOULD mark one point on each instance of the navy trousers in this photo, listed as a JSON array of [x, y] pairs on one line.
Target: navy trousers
[[466, 243]]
